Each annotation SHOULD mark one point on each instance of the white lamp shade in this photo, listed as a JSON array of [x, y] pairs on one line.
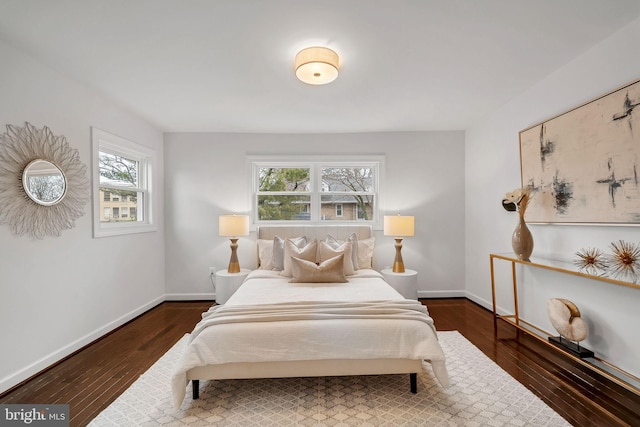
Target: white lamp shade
[[398, 226], [317, 65], [233, 225]]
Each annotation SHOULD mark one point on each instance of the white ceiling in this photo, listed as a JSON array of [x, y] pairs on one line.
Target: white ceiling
[[227, 65]]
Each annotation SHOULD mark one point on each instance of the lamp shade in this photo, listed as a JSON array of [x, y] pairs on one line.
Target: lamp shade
[[398, 226], [316, 65], [233, 225]]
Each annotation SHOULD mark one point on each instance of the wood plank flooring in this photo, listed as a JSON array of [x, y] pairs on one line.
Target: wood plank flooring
[[581, 396], [94, 377]]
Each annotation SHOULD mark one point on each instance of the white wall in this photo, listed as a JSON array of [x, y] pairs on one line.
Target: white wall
[[493, 168], [58, 294], [206, 175]]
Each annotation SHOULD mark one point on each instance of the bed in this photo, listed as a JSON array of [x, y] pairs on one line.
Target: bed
[[280, 323]]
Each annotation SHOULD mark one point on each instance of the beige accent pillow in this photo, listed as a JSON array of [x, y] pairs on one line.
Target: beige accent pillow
[[353, 238], [329, 271], [307, 253], [265, 254], [365, 252], [278, 250], [327, 252]]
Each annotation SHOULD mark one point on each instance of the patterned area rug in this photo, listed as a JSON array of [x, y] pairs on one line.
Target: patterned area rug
[[480, 394]]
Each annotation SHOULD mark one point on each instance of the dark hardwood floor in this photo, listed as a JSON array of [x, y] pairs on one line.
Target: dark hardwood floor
[[94, 377], [581, 396]]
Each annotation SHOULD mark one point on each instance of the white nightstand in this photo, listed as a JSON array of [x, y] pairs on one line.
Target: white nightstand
[[228, 283], [406, 283]]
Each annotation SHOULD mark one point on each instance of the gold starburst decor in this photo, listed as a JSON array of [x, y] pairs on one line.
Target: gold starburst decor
[[624, 263], [43, 184], [591, 261]]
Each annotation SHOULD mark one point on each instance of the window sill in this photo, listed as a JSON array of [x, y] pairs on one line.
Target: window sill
[[119, 229]]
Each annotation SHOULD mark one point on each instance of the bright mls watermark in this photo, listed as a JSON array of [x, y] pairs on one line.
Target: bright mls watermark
[[34, 415]]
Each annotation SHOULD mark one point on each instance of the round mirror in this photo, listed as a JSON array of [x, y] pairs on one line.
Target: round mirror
[[44, 182]]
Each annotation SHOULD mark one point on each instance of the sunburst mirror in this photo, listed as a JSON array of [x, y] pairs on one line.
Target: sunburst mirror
[[43, 184]]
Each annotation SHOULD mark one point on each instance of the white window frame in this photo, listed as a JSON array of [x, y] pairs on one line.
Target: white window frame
[[315, 164], [113, 144]]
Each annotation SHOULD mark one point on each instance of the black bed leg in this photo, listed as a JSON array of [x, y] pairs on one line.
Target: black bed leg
[[195, 387], [413, 378]]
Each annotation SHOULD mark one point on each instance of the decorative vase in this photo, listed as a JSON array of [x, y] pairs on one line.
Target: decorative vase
[[522, 240]]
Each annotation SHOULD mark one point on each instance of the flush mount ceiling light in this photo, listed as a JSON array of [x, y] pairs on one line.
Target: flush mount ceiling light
[[317, 65]]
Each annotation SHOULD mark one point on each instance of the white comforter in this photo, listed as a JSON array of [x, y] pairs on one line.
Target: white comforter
[[270, 319]]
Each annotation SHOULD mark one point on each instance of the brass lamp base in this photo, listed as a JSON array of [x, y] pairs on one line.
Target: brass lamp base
[[234, 265], [398, 264]]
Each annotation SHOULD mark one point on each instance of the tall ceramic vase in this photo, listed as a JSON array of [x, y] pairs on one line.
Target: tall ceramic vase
[[522, 240]]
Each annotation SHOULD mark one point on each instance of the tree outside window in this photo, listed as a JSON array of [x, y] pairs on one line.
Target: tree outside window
[[118, 175], [283, 194]]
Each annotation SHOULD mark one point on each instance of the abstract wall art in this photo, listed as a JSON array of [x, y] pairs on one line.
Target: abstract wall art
[[582, 166]]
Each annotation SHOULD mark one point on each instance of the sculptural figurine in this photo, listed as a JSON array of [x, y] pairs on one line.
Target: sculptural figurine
[[565, 317]]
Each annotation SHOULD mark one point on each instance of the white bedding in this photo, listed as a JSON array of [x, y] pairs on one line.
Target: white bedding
[[320, 321], [268, 287]]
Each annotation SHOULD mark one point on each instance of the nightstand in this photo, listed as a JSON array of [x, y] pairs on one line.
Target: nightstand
[[405, 283], [228, 283]]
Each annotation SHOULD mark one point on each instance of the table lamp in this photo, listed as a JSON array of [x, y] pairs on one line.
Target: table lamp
[[233, 226], [399, 227]]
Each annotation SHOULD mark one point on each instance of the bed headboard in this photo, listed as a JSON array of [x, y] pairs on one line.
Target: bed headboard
[[319, 232]]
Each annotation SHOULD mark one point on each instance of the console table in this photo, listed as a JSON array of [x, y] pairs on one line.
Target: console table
[[619, 376]]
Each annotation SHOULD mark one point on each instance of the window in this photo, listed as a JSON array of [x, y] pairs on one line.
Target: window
[[316, 191], [122, 185]]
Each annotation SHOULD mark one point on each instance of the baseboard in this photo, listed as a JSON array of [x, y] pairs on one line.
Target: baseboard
[[16, 378], [190, 297], [487, 304], [441, 294], [480, 301]]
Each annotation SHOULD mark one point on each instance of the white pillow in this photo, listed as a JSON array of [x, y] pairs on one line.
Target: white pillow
[[365, 252], [307, 253], [265, 254], [327, 252], [278, 250], [353, 238], [329, 271]]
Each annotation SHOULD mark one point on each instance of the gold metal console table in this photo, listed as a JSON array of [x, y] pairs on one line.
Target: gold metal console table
[[607, 369]]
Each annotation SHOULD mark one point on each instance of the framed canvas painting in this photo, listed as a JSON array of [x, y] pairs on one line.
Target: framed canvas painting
[[582, 165]]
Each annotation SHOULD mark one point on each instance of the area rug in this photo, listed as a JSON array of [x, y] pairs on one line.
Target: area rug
[[480, 394]]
